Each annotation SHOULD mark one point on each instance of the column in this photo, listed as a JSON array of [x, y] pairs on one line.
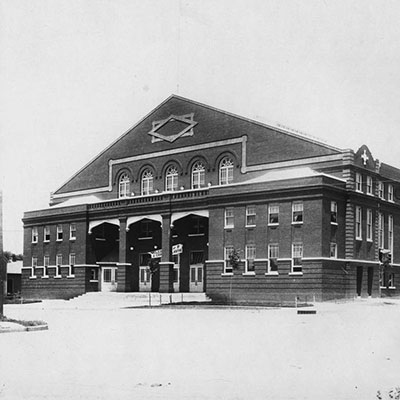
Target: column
[[166, 264], [123, 266]]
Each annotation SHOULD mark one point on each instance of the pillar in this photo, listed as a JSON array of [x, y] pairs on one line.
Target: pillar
[[166, 264]]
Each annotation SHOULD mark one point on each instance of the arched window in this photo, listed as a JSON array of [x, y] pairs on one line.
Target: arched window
[[198, 175], [226, 171], [147, 182], [124, 186], [171, 179]]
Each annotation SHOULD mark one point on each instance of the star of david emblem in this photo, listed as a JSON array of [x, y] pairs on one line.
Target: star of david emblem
[[172, 128]]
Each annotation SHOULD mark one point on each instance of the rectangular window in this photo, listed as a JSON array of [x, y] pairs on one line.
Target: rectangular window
[[227, 265], [273, 214], [333, 212], [358, 182], [94, 274], [380, 190], [273, 255], [229, 220], [297, 255], [72, 263], [390, 233], [250, 256], [59, 233], [46, 261], [35, 235], [358, 223], [198, 226], [196, 257], [369, 185], [46, 234], [390, 280], [333, 250], [72, 231], [390, 193], [146, 229], [369, 225], [34, 262], [251, 216], [59, 259], [297, 212], [381, 237]]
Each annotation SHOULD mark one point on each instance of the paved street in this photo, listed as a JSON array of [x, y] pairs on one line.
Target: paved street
[[345, 351]]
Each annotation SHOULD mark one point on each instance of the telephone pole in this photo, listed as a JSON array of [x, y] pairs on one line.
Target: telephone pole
[[3, 265]]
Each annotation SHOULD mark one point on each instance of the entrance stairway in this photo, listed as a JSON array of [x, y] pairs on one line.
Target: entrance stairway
[[110, 300]]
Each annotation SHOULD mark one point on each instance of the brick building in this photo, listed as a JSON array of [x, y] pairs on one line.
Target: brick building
[[164, 206]]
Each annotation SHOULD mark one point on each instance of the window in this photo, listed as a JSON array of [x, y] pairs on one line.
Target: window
[[273, 254], [72, 231], [297, 255], [333, 212], [94, 274], [229, 219], [46, 261], [147, 182], [369, 185], [226, 171], [227, 265], [333, 250], [34, 265], [146, 229], [250, 256], [381, 237], [251, 216], [358, 223], [59, 233], [358, 182], [144, 259], [72, 263], [390, 193], [35, 235], [46, 234], [297, 212], [390, 280], [171, 179], [390, 233], [197, 226], [369, 225], [196, 257], [380, 190], [198, 175], [124, 186], [59, 259], [273, 214]]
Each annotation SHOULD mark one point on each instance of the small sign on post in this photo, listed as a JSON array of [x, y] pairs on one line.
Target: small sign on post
[[177, 249]]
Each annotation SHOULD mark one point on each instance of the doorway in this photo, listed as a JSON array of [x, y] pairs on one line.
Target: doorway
[[359, 280], [370, 280], [109, 279]]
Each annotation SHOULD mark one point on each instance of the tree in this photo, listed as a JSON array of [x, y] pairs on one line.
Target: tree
[[234, 262], [11, 257]]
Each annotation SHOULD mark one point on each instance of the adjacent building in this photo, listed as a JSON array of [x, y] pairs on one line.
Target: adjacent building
[[165, 205]]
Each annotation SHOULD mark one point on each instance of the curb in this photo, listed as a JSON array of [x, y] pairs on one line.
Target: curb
[[21, 328], [37, 328]]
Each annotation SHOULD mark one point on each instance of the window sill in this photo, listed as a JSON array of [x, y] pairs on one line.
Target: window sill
[[271, 274], [295, 273], [33, 277], [359, 239], [46, 241], [297, 223], [250, 273], [195, 234], [227, 274], [72, 239], [94, 281], [390, 287], [34, 242], [359, 191], [334, 223], [273, 224], [370, 241], [45, 277], [70, 276], [229, 227], [146, 238], [250, 226], [57, 276]]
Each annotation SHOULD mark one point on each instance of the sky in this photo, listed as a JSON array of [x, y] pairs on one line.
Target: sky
[[76, 74]]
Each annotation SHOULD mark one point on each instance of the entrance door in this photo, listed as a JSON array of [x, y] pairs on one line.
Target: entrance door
[[359, 280], [109, 279], [196, 278], [144, 273], [177, 266], [370, 280]]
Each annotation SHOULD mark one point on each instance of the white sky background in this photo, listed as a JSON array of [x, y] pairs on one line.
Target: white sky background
[[76, 74]]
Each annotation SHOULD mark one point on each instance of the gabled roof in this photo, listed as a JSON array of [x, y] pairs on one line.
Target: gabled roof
[[178, 122]]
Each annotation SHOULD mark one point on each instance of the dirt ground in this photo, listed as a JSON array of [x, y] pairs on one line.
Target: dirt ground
[[345, 351]]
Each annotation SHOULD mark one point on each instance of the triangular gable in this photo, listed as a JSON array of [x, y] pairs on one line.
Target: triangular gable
[[179, 122]]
